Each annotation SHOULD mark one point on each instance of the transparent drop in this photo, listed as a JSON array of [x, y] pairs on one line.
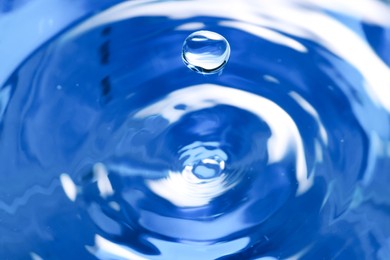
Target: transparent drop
[[205, 52]]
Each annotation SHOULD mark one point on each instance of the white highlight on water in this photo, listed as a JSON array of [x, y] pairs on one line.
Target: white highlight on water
[[35, 256], [114, 205], [186, 229], [101, 175], [213, 250], [105, 249], [201, 179], [69, 187], [191, 26], [184, 189], [5, 95], [271, 79], [265, 33]]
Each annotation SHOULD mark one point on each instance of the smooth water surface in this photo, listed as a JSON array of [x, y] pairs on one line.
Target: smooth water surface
[[111, 148]]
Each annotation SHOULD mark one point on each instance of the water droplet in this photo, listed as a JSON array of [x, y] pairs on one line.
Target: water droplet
[[205, 52]]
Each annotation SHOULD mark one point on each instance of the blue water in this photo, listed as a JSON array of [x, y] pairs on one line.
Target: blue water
[[111, 148]]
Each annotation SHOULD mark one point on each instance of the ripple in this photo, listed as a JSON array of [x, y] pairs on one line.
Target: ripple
[[285, 135], [280, 156]]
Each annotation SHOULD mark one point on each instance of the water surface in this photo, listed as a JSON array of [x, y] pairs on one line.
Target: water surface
[[111, 148]]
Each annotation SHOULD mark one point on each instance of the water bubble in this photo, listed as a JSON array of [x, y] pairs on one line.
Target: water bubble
[[205, 52]]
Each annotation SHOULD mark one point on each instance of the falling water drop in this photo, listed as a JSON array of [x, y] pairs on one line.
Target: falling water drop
[[205, 52]]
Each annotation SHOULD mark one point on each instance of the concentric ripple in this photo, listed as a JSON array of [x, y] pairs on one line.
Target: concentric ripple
[[106, 134], [201, 179]]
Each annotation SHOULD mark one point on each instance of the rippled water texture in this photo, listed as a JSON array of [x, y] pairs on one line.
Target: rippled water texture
[[111, 148]]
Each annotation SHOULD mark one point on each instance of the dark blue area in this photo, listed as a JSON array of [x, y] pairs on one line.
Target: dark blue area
[[379, 39]]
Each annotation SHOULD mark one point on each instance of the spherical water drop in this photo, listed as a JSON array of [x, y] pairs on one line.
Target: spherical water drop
[[205, 52]]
